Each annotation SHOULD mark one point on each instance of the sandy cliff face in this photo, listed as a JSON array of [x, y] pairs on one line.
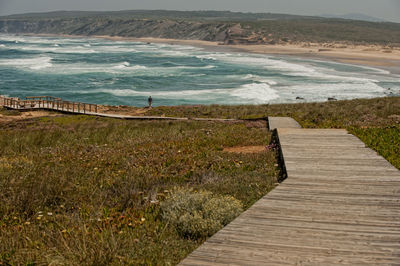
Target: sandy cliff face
[[223, 31], [126, 28], [227, 33]]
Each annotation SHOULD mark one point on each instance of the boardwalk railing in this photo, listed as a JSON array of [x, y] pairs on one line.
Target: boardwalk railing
[[47, 102], [57, 104]]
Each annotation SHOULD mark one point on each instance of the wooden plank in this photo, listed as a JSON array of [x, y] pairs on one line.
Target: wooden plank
[[282, 122], [340, 204]]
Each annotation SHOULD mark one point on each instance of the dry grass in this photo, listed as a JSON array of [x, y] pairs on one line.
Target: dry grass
[[374, 121], [82, 190], [338, 114]]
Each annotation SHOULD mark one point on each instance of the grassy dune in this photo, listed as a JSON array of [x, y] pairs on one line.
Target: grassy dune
[[84, 190], [81, 190], [374, 121]]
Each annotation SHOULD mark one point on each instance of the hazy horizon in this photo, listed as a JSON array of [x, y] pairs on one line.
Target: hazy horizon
[[384, 9]]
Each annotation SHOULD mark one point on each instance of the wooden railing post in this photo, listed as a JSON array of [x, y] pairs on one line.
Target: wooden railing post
[[48, 102]]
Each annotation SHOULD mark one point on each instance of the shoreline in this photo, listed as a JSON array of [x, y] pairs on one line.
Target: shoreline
[[387, 58]]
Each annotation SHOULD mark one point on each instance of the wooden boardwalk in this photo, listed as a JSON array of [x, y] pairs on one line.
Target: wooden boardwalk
[[340, 204], [57, 104]]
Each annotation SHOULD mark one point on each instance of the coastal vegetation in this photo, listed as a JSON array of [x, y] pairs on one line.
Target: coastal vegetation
[[83, 190], [87, 190], [374, 121], [220, 26]]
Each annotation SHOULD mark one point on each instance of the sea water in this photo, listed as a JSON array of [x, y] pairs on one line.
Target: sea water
[[126, 73]]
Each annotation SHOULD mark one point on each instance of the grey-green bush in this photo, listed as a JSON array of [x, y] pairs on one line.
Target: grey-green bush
[[199, 214]]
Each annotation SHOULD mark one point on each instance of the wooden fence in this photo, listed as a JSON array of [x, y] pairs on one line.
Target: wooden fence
[[48, 103]]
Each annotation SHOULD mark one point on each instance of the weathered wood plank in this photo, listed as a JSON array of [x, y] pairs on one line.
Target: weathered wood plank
[[282, 122], [340, 204]]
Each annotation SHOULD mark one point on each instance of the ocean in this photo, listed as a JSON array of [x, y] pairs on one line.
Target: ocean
[[110, 72]]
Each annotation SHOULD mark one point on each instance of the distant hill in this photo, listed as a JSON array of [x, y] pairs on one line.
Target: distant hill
[[355, 16], [208, 15], [221, 26]]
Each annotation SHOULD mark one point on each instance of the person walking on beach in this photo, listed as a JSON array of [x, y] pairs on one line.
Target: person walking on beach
[[150, 101]]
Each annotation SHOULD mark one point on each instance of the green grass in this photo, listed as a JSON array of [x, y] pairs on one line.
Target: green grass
[[385, 140], [374, 121], [7, 112], [83, 190], [338, 114]]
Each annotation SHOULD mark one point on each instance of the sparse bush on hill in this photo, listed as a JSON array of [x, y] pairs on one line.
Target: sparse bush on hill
[[199, 214]]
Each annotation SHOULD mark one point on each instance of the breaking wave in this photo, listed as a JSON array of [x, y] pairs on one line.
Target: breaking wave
[[36, 63], [124, 72]]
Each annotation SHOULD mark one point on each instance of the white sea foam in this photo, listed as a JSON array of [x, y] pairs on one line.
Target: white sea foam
[[127, 66], [2, 46], [172, 53], [260, 79], [56, 49], [36, 63], [255, 93], [38, 40], [207, 57], [289, 68], [268, 63], [374, 69], [193, 67], [268, 78], [321, 92], [122, 65], [115, 49], [378, 70]]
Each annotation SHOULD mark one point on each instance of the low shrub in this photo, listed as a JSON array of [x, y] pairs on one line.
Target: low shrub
[[7, 112], [199, 214]]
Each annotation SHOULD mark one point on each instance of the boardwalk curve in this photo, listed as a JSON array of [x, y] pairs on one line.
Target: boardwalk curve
[[340, 204], [57, 104]]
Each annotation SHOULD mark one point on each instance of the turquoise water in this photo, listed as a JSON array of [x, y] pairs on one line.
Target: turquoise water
[[126, 73]]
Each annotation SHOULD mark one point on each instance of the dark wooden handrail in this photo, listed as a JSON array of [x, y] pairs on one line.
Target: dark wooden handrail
[[48, 103]]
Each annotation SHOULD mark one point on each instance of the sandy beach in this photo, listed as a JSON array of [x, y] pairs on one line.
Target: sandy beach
[[367, 55], [383, 57]]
